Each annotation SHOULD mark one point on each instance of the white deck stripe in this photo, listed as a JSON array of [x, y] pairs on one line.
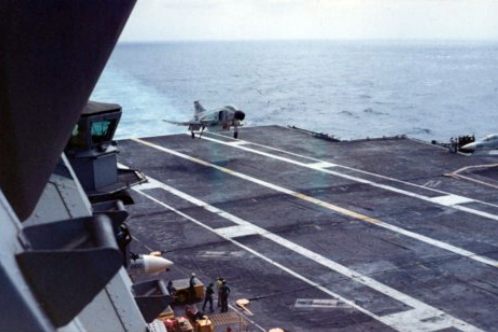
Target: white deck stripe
[[319, 303], [236, 142], [450, 200], [394, 189], [474, 211], [332, 207], [320, 164], [419, 316], [236, 231]]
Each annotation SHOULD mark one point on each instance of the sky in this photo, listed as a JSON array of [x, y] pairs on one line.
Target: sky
[[174, 20]]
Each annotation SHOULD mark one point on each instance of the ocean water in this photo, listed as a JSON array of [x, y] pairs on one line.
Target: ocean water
[[426, 90]]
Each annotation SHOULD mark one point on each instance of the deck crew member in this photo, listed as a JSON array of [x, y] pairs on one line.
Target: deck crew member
[[191, 288], [225, 291], [219, 283], [208, 297], [171, 288]]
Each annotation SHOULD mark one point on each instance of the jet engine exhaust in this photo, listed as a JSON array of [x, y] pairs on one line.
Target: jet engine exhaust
[[239, 115]]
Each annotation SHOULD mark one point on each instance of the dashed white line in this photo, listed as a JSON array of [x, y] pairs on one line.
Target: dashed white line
[[332, 207], [417, 318]]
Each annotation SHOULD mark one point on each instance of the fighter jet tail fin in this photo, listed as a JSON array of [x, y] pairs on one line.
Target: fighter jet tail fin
[[198, 108]]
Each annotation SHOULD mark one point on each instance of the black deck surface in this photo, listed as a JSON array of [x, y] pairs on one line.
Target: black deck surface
[[380, 239]]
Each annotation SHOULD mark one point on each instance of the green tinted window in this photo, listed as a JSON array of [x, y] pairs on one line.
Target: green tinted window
[[100, 131]]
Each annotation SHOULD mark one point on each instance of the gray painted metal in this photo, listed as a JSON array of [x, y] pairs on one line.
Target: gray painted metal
[[63, 198], [55, 257], [152, 298], [114, 308], [20, 310]]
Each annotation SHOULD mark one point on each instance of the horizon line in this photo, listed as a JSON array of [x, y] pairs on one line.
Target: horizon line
[[402, 40]]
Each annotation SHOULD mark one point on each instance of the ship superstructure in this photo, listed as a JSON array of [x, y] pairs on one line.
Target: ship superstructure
[[62, 258]]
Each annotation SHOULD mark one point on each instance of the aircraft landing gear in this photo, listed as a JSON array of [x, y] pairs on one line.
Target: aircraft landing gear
[[192, 134]]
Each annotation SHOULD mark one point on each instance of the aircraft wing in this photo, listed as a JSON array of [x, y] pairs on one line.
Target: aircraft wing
[[187, 123]]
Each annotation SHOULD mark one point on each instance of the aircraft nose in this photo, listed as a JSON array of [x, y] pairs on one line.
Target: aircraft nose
[[470, 147], [239, 115]]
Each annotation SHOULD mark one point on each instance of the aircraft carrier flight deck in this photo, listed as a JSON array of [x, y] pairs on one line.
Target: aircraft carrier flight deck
[[323, 235]]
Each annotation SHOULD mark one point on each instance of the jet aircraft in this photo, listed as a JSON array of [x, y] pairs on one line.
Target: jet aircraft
[[487, 145], [222, 118]]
